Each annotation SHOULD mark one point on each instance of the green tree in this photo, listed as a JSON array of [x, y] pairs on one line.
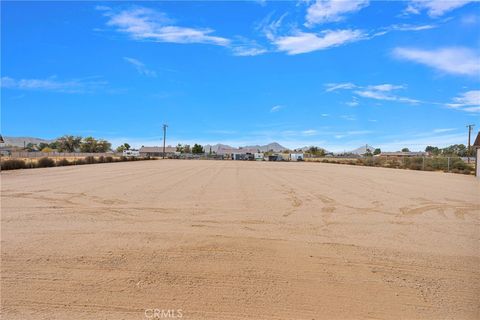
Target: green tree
[[123, 147], [103, 146], [368, 153], [43, 145], [31, 147], [316, 151], [405, 150], [433, 150], [88, 144], [53, 145], [180, 148], [459, 150], [377, 151], [197, 149], [68, 143]]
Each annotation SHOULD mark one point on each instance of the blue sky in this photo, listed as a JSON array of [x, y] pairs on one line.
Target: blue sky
[[336, 74]]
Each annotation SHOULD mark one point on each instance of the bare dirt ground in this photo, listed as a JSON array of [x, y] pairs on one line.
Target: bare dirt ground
[[239, 240]]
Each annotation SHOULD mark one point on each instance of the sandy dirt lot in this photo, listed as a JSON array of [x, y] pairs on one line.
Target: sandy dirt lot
[[239, 240]]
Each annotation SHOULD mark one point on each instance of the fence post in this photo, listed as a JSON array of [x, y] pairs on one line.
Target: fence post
[[448, 164], [423, 163]]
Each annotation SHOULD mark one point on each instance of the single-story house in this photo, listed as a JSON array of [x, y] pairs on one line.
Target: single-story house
[[476, 147], [157, 151]]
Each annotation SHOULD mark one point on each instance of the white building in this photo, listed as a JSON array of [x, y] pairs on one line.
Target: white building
[[296, 157], [259, 156], [131, 153], [476, 147]]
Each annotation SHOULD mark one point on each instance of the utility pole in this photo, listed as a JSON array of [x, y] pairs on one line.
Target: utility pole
[[470, 128], [164, 138]]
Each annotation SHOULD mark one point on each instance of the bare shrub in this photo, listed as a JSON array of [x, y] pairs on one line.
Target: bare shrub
[[13, 164], [45, 162]]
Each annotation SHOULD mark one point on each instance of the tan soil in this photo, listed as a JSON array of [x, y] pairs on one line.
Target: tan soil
[[238, 240]]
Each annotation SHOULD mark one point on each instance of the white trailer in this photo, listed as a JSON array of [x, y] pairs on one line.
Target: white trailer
[[296, 157], [131, 153], [259, 156]]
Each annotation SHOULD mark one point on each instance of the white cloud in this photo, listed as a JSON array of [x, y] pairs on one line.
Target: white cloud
[[469, 98], [434, 8], [276, 108], [454, 60], [248, 52], [309, 132], [378, 92], [303, 42], [385, 87], [348, 117], [468, 101], [102, 8], [244, 47], [270, 27], [380, 95], [338, 86], [442, 130], [332, 10], [140, 66], [150, 25], [353, 103], [409, 27], [52, 84]]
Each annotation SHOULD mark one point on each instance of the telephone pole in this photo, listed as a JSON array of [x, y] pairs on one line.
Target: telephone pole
[[164, 138], [470, 128]]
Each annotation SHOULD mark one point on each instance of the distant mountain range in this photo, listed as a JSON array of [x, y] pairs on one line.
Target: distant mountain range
[[217, 148], [362, 150], [21, 141]]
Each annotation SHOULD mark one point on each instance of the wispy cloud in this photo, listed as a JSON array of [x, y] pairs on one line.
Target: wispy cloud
[[377, 92], [351, 133], [468, 101], [412, 27], [443, 130], [332, 10], [434, 8], [385, 87], [310, 132], [289, 38], [244, 47], [276, 108], [150, 25], [53, 84], [353, 103], [348, 117], [454, 60], [303, 42], [338, 86], [140, 66], [381, 95]]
